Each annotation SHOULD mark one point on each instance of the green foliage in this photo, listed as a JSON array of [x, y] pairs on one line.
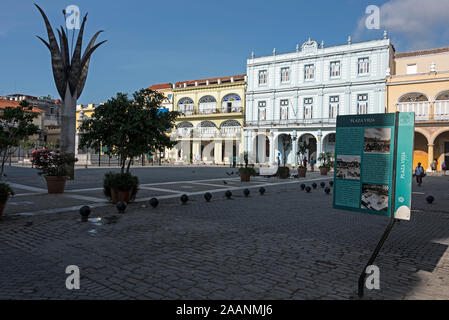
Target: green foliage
[[5, 192], [286, 144], [27, 144], [302, 150], [120, 181], [16, 124], [52, 163], [249, 170], [129, 128], [326, 159]]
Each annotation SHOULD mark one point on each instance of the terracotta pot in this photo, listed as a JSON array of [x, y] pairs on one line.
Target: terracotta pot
[[324, 171], [245, 177], [55, 184], [120, 195], [302, 172]]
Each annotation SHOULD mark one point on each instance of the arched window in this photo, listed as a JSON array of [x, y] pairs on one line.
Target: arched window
[[416, 102], [207, 129], [413, 97], [207, 105], [443, 96], [185, 129], [185, 105], [231, 103], [230, 128]]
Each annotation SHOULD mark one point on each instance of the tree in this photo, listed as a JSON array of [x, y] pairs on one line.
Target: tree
[[286, 144], [16, 125], [302, 151], [129, 127]]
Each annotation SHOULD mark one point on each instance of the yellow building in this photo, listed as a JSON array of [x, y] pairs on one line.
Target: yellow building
[[210, 130], [167, 90], [420, 84]]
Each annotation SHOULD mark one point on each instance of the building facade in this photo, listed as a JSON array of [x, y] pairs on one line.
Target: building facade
[[297, 96], [210, 129], [167, 90], [420, 84]]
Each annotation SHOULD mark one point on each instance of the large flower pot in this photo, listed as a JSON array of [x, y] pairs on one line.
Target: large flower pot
[[55, 184], [324, 171], [284, 172], [245, 176], [120, 195], [302, 172]]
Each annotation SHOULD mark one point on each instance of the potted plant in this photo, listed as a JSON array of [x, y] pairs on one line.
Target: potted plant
[[5, 192], [302, 150], [284, 171], [53, 165], [127, 128], [325, 159], [247, 171], [120, 187]]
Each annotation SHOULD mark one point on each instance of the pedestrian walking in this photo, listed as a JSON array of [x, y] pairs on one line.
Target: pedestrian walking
[[312, 164], [433, 165], [443, 167], [304, 162], [278, 160], [419, 173], [33, 156]]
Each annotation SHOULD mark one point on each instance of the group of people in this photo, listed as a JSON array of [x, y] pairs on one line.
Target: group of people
[[420, 172]]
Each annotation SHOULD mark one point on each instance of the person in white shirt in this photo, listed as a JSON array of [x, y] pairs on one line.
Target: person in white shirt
[[419, 173]]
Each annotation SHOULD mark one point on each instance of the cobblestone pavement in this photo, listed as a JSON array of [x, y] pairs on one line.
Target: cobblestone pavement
[[286, 244]]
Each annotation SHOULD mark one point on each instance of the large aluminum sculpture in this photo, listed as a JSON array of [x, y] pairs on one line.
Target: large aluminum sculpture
[[70, 74]]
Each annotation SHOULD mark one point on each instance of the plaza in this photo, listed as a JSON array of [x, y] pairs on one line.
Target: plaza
[[291, 245]]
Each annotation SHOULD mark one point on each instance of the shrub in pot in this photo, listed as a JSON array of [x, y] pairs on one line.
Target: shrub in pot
[[120, 187], [283, 172], [5, 192], [53, 165], [247, 171], [302, 171]]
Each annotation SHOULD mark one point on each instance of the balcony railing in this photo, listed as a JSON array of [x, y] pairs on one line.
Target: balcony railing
[[205, 111], [421, 109], [293, 122], [441, 110]]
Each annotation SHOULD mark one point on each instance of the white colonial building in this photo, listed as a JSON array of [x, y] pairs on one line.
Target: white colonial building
[[301, 93]]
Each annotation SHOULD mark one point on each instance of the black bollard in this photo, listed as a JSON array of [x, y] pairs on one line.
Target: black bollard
[[262, 191], [430, 199], [246, 192], [314, 185], [303, 186], [327, 190], [154, 202], [308, 189], [85, 212], [322, 184], [184, 199], [331, 183], [121, 207], [228, 194], [207, 196]]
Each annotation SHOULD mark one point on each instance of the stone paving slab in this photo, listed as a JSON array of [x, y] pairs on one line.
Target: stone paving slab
[[284, 245]]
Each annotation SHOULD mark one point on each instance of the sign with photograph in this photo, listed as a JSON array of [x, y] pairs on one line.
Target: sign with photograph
[[365, 167]]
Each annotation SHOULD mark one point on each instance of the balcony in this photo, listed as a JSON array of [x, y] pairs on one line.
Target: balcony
[[293, 122], [441, 110], [210, 111], [421, 109]]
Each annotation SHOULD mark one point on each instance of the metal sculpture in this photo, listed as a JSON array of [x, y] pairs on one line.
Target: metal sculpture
[[70, 74]]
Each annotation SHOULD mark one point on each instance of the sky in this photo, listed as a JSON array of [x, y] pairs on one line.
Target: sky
[[153, 42]]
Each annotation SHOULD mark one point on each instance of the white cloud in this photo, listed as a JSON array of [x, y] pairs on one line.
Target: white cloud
[[423, 23]]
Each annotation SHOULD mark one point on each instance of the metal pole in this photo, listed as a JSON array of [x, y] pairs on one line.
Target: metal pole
[[99, 156], [392, 212]]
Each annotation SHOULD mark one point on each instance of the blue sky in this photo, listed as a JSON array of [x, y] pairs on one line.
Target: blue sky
[[167, 41]]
